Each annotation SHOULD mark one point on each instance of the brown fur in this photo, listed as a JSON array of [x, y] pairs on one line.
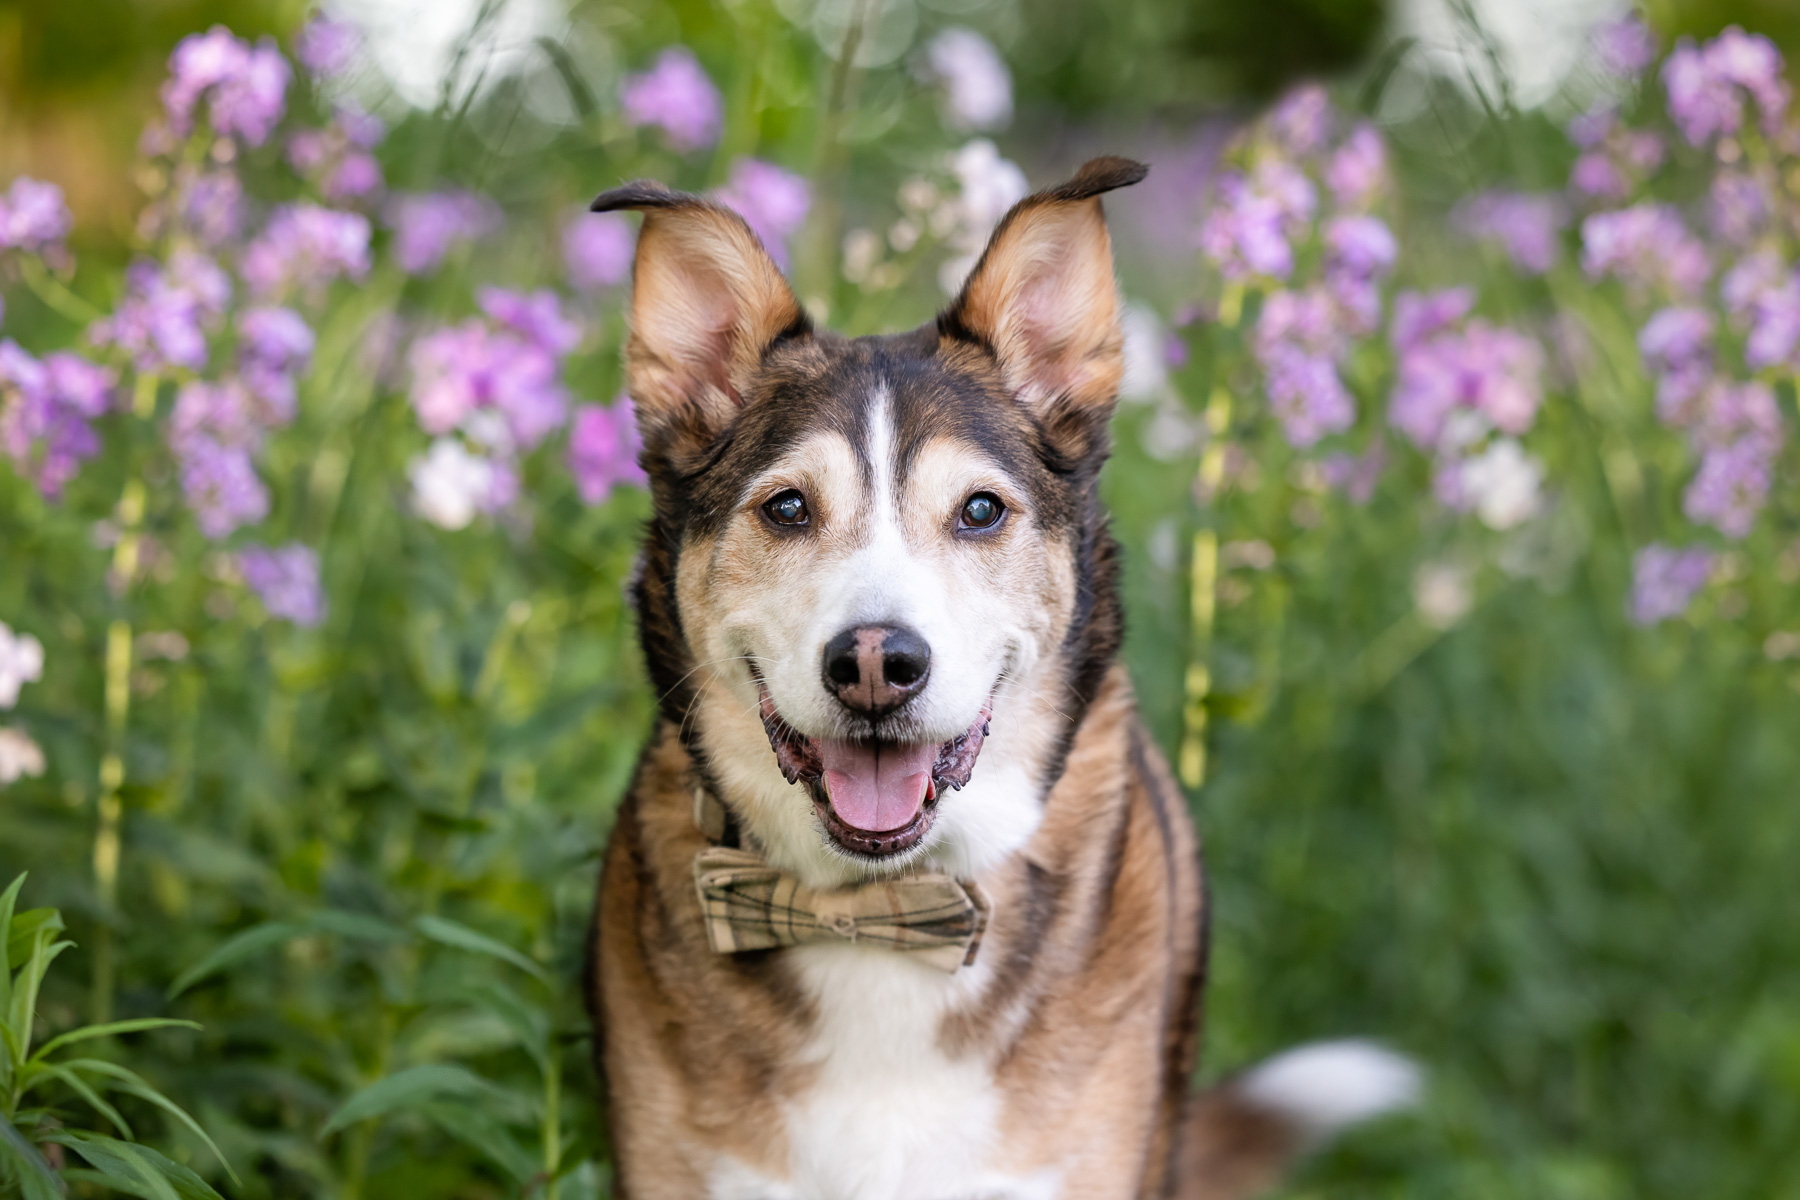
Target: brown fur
[[1096, 943], [1086, 1004]]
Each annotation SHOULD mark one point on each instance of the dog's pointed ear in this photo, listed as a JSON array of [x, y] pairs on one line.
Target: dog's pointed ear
[[1042, 297], [707, 301]]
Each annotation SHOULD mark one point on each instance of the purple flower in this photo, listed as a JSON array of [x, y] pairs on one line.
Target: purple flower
[[245, 87], [1305, 319], [1707, 85], [597, 250], [1731, 486], [1774, 325], [1357, 173], [221, 486], [304, 247], [1645, 246], [603, 449], [1418, 315], [1525, 226], [977, 85], [326, 46], [274, 349], [1362, 246], [772, 201], [211, 204], [676, 96], [536, 316], [286, 580], [1739, 206], [1677, 347], [427, 226], [1307, 395], [224, 412], [1626, 45], [46, 414], [1591, 129], [1748, 281], [1613, 157], [1488, 371], [1736, 411], [1664, 581], [1248, 229], [1594, 174], [1300, 123], [162, 321], [468, 369], [33, 216], [337, 157]]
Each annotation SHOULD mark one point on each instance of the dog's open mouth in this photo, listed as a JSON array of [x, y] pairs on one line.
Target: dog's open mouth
[[875, 798]]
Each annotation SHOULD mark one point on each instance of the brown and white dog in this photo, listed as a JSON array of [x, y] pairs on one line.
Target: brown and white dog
[[878, 601]]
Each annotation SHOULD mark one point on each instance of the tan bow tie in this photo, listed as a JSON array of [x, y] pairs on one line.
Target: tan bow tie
[[750, 905]]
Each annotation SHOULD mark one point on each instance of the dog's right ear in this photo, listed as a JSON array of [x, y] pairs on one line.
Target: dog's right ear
[[707, 301]]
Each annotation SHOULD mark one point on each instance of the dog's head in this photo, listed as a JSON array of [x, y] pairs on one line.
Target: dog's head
[[877, 590]]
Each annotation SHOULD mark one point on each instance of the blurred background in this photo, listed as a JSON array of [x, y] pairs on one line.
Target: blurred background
[[312, 733]]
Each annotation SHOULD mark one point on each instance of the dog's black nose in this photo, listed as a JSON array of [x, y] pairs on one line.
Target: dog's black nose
[[875, 668]]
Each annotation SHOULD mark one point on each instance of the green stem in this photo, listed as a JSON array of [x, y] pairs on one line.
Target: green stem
[[552, 1123], [54, 293], [1190, 759]]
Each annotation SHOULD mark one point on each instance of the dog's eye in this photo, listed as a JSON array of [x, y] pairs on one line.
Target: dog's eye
[[983, 510], [787, 508]]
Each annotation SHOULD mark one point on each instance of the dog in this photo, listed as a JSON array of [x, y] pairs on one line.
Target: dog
[[902, 903]]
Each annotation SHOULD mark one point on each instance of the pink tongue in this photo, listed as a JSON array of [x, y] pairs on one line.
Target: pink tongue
[[876, 788]]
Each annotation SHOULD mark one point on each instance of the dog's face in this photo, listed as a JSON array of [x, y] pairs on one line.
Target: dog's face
[[877, 586]]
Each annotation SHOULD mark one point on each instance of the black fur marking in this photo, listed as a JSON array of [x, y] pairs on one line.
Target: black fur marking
[[642, 194]]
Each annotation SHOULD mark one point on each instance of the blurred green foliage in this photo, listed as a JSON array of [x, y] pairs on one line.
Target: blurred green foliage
[[1543, 850]]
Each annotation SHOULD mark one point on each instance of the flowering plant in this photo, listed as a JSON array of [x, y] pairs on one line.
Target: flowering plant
[[316, 679]]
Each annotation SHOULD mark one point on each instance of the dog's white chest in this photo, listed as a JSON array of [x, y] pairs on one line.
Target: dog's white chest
[[890, 1116]]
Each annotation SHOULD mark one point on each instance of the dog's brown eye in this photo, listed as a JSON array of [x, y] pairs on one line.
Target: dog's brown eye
[[983, 510], [787, 508]]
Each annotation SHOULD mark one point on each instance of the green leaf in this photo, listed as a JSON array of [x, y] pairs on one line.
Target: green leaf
[[136, 1169], [528, 1023], [134, 1025], [270, 934], [23, 1010], [134, 1084], [406, 1090], [235, 949], [26, 926], [8, 900], [75, 1083], [478, 1129], [34, 1173], [450, 933], [356, 925], [580, 95]]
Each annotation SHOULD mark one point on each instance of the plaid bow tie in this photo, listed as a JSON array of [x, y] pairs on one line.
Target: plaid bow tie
[[749, 905]]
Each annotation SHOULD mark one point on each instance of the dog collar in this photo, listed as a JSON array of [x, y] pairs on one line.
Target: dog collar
[[749, 905]]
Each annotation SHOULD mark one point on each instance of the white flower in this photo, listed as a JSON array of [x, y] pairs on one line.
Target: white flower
[[21, 662], [450, 485], [977, 85], [1442, 594], [987, 185], [19, 755], [1501, 484], [1146, 373]]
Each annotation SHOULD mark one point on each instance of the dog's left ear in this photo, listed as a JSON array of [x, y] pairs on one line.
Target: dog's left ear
[[1043, 300]]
